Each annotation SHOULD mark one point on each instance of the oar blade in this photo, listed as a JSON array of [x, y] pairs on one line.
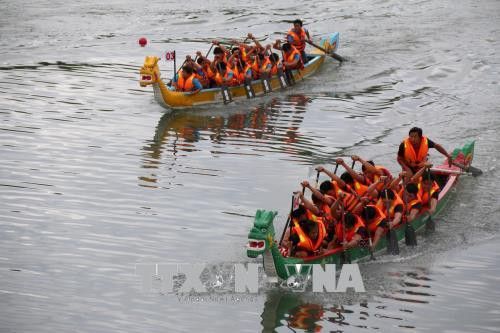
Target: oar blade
[[392, 243], [410, 235], [475, 171], [430, 225]]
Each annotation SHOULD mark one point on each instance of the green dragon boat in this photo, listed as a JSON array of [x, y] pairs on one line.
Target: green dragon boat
[[261, 239]]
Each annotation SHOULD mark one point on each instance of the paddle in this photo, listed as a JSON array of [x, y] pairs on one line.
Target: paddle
[[281, 78], [336, 167], [317, 179], [266, 85], [392, 240], [333, 54], [288, 221], [451, 172], [430, 225], [370, 243], [344, 257], [470, 169], [410, 236], [226, 95]]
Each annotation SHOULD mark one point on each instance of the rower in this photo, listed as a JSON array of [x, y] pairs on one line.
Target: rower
[[355, 231], [392, 206], [291, 56], [297, 36], [307, 238], [376, 222], [412, 153], [352, 179], [225, 76], [426, 184], [186, 81], [412, 201], [371, 172]]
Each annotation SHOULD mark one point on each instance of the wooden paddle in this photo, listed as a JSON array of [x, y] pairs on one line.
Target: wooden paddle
[[226, 94], [333, 54], [410, 236], [451, 172], [470, 169], [344, 257], [430, 225], [288, 221], [370, 243], [392, 240]]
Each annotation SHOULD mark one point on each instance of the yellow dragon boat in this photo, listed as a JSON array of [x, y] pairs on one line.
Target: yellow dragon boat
[[169, 98]]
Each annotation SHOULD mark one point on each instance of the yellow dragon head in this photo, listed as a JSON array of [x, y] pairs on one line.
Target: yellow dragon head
[[150, 72]]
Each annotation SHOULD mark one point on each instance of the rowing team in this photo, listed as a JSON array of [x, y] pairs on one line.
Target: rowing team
[[243, 63], [363, 206]]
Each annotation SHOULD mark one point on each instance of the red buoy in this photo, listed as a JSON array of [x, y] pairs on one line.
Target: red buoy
[[143, 41]]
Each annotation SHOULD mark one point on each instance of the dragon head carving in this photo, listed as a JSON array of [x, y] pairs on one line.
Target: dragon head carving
[[150, 72], [261, 236]]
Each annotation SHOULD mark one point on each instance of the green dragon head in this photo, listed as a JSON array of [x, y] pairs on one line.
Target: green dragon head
[[261, 236], [465, 154]]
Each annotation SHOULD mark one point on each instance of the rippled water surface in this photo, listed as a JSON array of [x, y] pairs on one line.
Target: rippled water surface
[[95, 176]]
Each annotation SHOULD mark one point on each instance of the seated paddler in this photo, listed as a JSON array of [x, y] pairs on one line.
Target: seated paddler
[[355, 231], [186, 80], [307, 238], [392, 205]]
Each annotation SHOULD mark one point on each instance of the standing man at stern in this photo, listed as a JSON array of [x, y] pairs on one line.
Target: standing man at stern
[[412, 153]]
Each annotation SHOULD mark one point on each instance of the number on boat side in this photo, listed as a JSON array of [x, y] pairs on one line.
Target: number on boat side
[[169, 55]]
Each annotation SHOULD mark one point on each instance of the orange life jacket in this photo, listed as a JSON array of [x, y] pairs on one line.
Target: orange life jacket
[[359, 188], [411, 155], [350, 233], [350, 201], [240, 75], [210, 72], [244, 54], [424, 195], [264, 64], [185, 84], [305, 243], [298, 39], [291, 55], [375, 222], [327, 213], [396, 202], [274, 68], [219, 78], [376, 177]]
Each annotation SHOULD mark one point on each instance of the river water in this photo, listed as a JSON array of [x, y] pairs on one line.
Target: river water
[[96, 177]]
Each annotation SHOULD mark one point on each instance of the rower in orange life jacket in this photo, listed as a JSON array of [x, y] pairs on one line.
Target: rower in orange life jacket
[[333, 189], [225, 76], [372, 172], [297, 36], [309, 236], [376, 222], [427, 183], [411, 200], [186, 80], [395, 212], [355, 230], [291, 56], [299, 215], [412, 153], [242, 71]]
